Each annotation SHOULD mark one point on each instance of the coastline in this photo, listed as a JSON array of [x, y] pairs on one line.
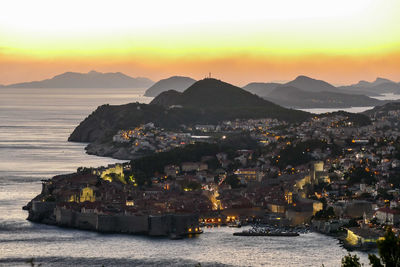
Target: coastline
[[157, 225]]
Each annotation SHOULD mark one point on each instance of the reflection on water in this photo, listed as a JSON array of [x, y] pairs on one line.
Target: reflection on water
[[34, 127]]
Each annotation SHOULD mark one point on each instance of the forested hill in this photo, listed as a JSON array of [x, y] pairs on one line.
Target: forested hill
[[226, 101], [208, 101]]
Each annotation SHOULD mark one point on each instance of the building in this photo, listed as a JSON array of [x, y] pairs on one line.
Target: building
[[248, 175], [113, 171], [171, 170], [388, 216], [87, 194], [363, 237], [194, 166]]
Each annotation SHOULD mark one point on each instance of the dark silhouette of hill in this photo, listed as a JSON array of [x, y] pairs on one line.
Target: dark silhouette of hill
[[177, 83], [381, 111], [311, 85], [92, 79], [166, 98], [289, 96], [213, 93], [306, 92], [208, 101], [261, 89], [379, 86], [378, 81]]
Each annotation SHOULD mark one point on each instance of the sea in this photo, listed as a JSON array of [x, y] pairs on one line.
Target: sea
[[34, 128], [388, 96]]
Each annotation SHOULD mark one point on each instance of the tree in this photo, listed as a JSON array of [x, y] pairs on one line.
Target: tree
[[389, 251], [193, 186], [213, 163], [325, 214], [233, 181], [351, 261], [360, 174], [141, 178]]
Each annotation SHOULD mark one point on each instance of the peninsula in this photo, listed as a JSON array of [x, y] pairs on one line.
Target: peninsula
[[337, 172], [197, 158]]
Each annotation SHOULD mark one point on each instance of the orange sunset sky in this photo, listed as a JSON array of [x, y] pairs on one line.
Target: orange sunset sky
[[338, 41]]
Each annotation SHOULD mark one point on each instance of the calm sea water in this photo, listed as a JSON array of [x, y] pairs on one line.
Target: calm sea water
[[353, 109], [325, 110], [387, 97], [34, 127]]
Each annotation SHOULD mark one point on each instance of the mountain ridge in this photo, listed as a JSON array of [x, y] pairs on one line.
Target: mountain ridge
[[92, 79], [177, 83], [199, 104], [289, 96], [306, 92]]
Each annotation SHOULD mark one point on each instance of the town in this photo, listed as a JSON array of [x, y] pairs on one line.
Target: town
[[338, 174]]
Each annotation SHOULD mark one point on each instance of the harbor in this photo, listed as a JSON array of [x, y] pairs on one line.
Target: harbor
[[268, 230]]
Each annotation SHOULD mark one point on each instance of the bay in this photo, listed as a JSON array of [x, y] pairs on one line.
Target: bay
[[34, 127]]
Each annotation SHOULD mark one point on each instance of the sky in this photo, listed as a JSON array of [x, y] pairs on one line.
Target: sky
[[340, 41]]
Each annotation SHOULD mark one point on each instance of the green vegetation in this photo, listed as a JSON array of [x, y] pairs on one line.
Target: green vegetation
[[192, 186], [147, 166], [357, 119], [206, 102], [394, 179], [351, 261], [299, 153], [388, 250], [233, 181], [325, 214], [360, 174]]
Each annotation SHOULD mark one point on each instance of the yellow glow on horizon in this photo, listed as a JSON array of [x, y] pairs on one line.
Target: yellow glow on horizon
[[171, 27], [266, 33]]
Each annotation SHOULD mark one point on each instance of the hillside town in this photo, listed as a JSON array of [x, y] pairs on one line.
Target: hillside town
[[336, 174]]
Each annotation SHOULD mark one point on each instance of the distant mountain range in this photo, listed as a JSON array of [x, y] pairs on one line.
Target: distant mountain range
[[177, 83], [207, 101], [302, 92], [92, 79], [211, 93], [289, 96], [261, 89], [379, 86], [305, 92]]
